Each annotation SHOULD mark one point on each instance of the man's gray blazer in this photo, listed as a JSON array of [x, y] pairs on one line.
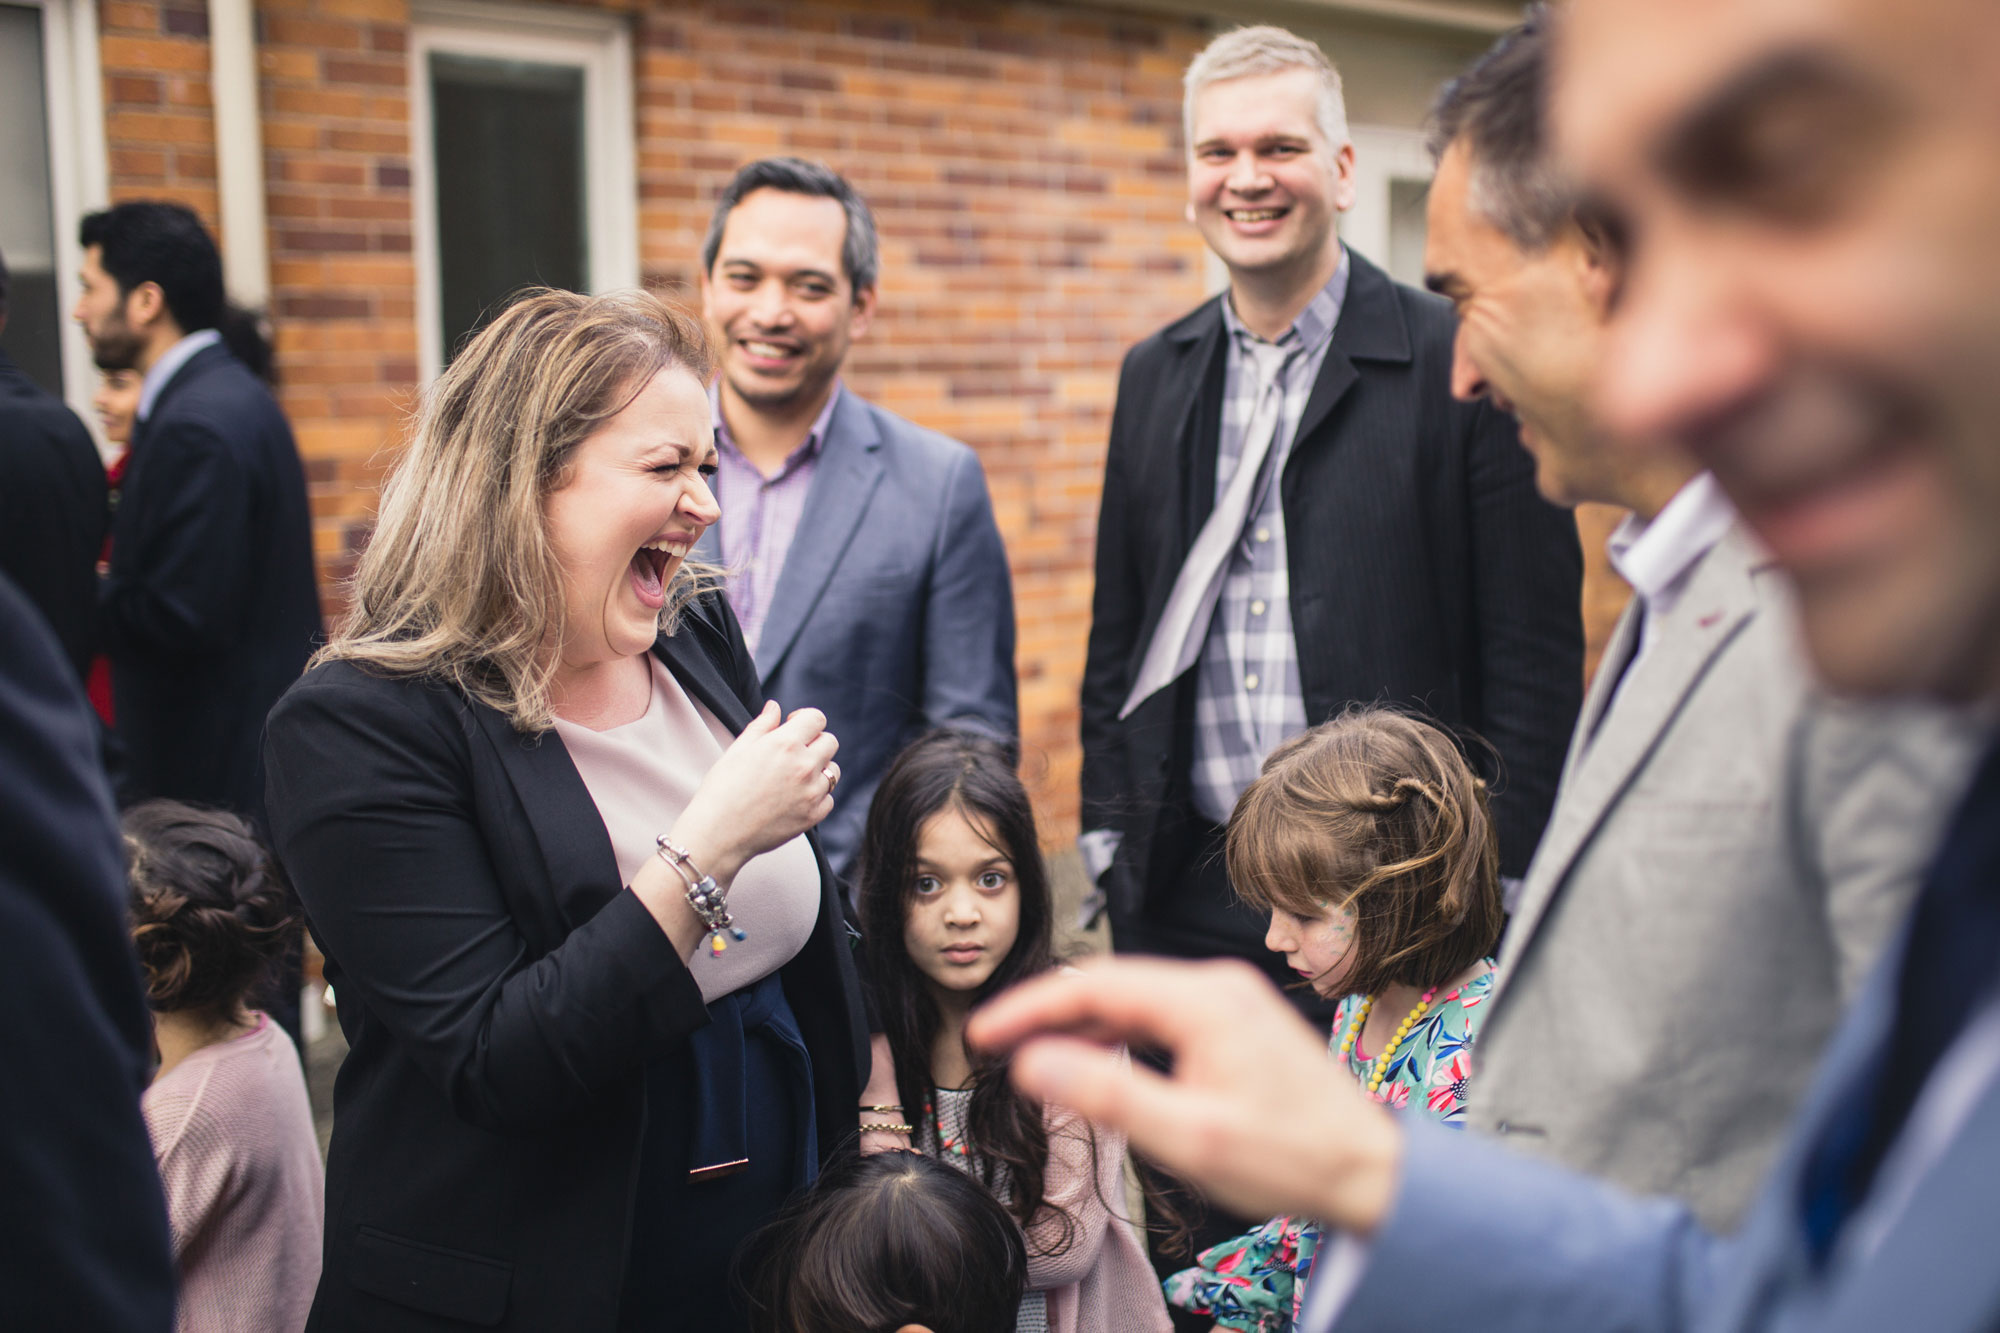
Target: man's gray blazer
[[894, 612], [1726, 857]]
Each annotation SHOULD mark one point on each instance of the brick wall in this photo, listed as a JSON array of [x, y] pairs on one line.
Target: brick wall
[[158, 120], [333, 90], [1023, 161], [335, 98]]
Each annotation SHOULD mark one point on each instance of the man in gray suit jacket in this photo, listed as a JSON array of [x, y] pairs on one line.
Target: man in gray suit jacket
[[862, 555], [1721, 835], [1810, 307]]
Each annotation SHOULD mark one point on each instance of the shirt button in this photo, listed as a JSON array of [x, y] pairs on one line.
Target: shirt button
[[1263, 534], [1250, 681], [1257, 607]]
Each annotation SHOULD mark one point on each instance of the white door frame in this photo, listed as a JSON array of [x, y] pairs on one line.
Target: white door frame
[[1383, 155]]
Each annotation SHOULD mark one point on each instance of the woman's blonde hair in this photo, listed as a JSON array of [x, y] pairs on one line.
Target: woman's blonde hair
[[460, 580], [1378, 812]]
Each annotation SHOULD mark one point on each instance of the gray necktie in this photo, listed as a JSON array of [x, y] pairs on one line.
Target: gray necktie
[[1183, 626]]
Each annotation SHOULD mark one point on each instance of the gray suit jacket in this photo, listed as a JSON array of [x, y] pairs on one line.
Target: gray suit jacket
[[1726, 857], [894, 612]]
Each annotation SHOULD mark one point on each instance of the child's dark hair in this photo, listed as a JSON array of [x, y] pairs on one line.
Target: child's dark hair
[[211, 915], [1377, 811], [940, 771], [884, 1241]]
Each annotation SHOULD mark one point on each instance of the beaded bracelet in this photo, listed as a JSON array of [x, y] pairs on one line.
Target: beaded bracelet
[[867, 1128], [709, 900]]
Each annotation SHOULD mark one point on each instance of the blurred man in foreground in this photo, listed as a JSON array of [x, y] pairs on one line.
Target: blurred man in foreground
[[52, 505], [1812, 309], [83, 1225]]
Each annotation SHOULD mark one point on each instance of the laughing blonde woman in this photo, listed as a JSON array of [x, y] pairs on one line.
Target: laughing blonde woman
[[594, 975]]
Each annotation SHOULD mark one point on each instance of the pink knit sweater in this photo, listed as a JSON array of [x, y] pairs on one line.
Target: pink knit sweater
[[233, 1134], [1101, 1283]]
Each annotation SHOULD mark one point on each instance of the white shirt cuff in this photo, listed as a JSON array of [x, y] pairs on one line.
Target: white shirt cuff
[[1099, 848], [1337, 1270]]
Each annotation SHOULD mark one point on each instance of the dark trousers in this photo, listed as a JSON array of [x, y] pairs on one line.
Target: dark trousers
[[1198, 915]]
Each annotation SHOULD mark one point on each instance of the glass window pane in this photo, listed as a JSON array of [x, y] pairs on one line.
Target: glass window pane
[[508, 149], [33, 335]]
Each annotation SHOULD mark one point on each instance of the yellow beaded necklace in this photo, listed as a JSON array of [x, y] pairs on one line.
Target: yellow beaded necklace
[[1380, 1068]]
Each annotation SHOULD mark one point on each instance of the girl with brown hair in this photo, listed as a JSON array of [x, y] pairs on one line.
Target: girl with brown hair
[[1369, 842]]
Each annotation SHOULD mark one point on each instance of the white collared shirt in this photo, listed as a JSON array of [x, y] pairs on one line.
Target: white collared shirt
[[1657, 558], [169, 365]]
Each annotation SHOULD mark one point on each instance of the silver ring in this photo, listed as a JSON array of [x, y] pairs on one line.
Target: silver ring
[[832, 778]]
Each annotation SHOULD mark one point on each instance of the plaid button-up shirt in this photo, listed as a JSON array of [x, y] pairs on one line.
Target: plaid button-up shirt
[[760, 514], [1247, 692]]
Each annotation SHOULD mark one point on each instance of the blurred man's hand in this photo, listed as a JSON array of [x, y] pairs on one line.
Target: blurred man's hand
[[1254, 1111]]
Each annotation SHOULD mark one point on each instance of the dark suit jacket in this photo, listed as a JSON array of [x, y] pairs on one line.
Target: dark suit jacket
[[894, 612], [1425, 569], [83, 1228], [501, 996], [211, 608], [53, 509]]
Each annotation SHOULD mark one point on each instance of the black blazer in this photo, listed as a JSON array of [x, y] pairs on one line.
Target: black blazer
[[83, 1228], [501, 996], [53, 509], [1425, 568], [211, 608]]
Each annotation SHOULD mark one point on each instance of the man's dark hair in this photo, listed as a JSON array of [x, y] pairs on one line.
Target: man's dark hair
[[1499, 108], [151, 240], [859, 254]]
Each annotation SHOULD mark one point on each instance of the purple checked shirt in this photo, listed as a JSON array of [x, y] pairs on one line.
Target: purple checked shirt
[[760, 514]]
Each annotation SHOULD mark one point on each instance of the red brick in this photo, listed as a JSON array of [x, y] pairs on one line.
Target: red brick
[[138, 164], [133, 90], [153, 54], [321, 34], [319, 241], [365, 70]]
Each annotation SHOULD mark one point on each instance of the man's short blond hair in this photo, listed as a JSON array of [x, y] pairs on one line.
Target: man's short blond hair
[[1266, 50]]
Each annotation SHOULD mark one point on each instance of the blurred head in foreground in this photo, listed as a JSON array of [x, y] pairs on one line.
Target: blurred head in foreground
[[893, 1243], [1806, 191]]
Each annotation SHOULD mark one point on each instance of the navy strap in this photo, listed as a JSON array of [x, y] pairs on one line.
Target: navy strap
[[719, 1143]]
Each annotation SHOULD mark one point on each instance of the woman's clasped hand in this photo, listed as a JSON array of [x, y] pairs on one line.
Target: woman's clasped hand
[[772, 783]]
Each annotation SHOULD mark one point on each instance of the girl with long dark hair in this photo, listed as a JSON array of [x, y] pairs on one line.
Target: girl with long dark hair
[[955, 901]]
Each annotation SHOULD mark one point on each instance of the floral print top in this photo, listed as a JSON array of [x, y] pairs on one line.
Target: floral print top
[[1257, 1282]]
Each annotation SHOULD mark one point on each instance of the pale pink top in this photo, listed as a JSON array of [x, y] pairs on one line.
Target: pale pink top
[[1102, 1283], [232, 1131], [641, 776], [1090, 1271]]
